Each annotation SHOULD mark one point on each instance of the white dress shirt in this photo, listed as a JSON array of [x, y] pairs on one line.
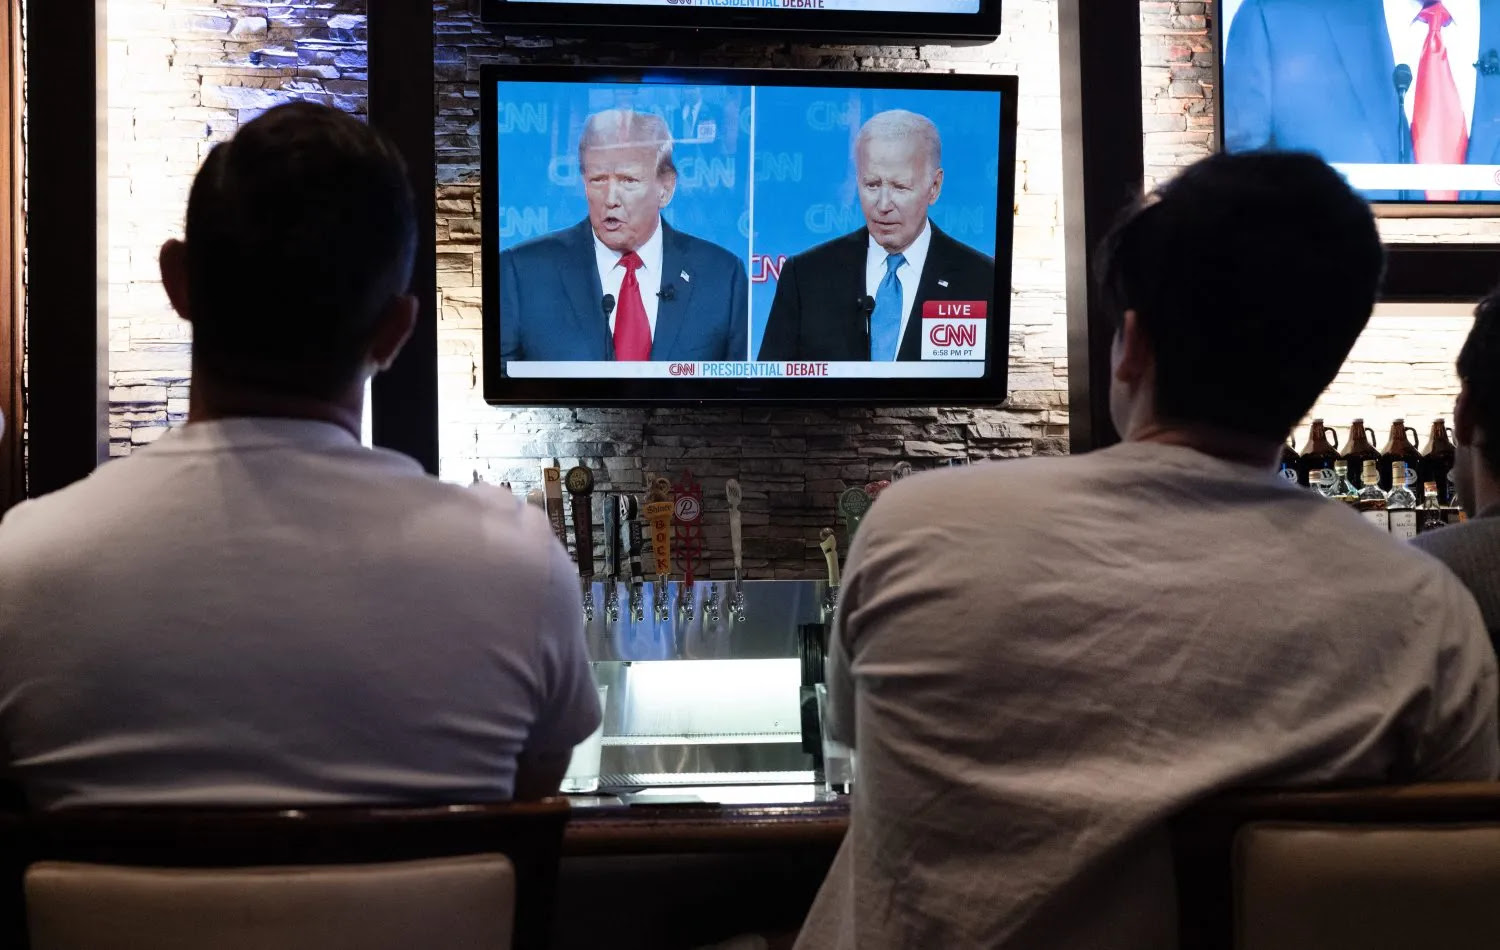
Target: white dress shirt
[[909, 273], [648, 275], [1461, 36]]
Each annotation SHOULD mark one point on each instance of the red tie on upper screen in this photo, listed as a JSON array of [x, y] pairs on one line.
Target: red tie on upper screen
[[1439, 131], [632, 329]]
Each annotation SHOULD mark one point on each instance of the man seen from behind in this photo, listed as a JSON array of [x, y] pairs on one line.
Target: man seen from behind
[[256, 609], [1041, 662]]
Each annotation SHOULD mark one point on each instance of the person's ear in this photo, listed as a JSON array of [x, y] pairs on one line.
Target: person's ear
[[668, 189], [937, 188], [1463, 417], [393, 330], [1135, 360], [174, 277]]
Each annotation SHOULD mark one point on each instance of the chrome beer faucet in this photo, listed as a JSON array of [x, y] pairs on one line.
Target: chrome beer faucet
[[711, 609]]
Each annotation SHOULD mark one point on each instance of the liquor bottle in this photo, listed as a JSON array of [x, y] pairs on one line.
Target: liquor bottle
[[1400, 449], [1344, 489], [1360, 448], [1437, 461], [1401, 505], [1432, 516], [1318, 455], [1288, 467], [1371, 500]]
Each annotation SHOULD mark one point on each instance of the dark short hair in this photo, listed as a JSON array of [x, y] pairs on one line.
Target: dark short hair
[[300, 233], [1252, 275], [1479, 368]]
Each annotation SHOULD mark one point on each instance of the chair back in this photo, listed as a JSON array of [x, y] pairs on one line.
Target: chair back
[[123, 845], [1374, 868]]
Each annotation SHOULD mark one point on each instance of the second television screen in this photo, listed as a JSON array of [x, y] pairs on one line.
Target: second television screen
[[656, 229]]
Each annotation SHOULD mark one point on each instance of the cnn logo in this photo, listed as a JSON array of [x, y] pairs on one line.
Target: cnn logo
[[954, 334]]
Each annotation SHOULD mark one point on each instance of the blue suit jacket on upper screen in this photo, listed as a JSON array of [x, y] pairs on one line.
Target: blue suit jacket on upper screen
[[550, 301], [1319, 76]]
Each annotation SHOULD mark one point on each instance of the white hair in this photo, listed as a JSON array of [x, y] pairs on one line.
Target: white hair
[[626, 128], [899, 125]]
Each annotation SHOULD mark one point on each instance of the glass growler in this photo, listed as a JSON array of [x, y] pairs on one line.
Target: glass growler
[[1437, 462], [1315, 466], [1400, 448], [1288, 467], [1360, 448]]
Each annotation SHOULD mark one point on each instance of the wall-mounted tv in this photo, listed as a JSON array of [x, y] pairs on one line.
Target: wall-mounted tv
[[927, 21], [658, 235], [1402, 97]]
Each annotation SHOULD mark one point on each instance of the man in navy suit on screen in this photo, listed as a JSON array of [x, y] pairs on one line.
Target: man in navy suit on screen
[[1368, 82], [623, 284]]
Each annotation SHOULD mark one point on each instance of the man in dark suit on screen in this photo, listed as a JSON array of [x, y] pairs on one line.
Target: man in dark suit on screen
[[1368, 82], [623, 284], [859, 298]]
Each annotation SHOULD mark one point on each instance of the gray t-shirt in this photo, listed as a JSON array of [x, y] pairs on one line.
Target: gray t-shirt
[[263, 612], [1043, 661], [1472, 551]]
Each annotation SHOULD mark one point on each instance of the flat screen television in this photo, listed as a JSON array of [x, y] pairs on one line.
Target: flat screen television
[[1407, 109], [962, 21], [659, 235]]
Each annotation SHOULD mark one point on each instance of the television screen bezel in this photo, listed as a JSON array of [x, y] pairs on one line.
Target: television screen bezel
[[1383, 207], [822, 25], [990, 389]]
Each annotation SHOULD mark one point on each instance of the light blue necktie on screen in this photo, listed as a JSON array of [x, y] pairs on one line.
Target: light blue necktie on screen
[[890, 304]]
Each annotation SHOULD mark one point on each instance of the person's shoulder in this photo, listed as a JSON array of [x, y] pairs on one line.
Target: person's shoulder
[[986, 489], [548, 246], [705, 253], [852, 245], [959, 253]]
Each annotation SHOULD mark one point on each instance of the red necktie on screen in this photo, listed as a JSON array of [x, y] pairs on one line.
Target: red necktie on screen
[[632, 329], [1439, 132]]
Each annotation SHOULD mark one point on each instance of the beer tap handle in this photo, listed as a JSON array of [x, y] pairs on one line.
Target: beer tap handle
[[830, 546], [736, 525], [552, 489], [580, 483], [658, 512], [853, 504], [581, 489], [902, 470]]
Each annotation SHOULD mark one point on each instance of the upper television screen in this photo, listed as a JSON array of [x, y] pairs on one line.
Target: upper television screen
[[1401, 96], [926, 20], [765, 235]]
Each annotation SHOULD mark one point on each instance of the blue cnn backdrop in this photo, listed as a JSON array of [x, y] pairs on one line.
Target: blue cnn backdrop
[[541, 188], [805, 189]]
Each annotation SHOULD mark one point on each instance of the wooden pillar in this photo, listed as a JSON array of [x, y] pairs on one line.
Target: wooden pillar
[[402, 105], [67, 282], [1104, 170]]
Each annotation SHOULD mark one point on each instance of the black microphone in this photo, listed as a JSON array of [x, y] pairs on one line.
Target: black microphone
[[608, 303], [668, 293], [1401, 77], [866, 305]]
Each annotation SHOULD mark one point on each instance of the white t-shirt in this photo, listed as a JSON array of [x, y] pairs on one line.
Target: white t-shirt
[[1040, 662], [263, 612]]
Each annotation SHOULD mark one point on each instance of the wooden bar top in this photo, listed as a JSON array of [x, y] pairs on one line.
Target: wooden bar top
[[614, 826]]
